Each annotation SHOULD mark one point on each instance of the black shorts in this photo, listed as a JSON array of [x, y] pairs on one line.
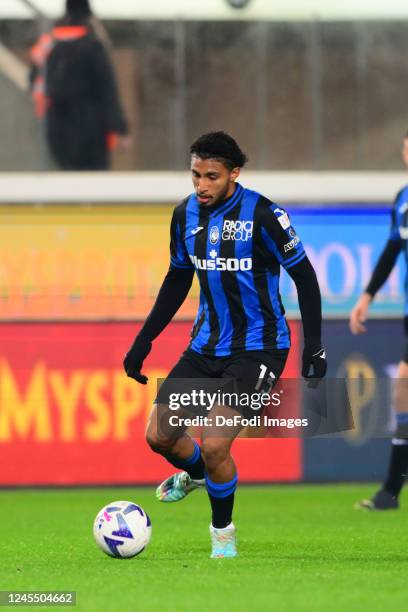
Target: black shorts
[[405, 356], [240, 378]]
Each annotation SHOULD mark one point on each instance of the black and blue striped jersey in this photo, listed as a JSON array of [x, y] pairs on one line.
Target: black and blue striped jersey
[[399, 231], [236, 248]]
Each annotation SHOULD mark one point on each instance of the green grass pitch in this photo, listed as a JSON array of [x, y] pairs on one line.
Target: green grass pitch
[[301, 548]]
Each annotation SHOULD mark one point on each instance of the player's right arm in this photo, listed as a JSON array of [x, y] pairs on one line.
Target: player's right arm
[[381, 272], [171, 296]]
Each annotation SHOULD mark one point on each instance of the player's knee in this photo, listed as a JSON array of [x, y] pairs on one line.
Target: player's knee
[[214, 451], [157, 443]]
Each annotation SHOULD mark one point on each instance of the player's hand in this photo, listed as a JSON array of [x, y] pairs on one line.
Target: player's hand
[[134, 358], [314, 363], [359, 314]]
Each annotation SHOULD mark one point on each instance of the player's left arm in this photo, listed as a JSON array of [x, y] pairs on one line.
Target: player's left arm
[[310, 305], [281, 239]]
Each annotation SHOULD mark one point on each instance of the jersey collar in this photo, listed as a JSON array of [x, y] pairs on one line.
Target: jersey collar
[[224, 205]]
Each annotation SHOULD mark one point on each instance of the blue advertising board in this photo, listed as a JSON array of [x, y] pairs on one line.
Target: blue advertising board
[[344, 245], [368, 364]]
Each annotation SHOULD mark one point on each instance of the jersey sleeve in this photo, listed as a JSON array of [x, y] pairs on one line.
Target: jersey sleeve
[[394, 230], [280, 237], [178, 254]]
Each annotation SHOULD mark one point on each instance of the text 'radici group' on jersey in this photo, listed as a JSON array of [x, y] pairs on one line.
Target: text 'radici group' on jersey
[[236, 248]]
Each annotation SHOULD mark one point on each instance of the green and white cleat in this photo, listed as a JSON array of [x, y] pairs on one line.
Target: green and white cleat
[[176, 487], [224, 542]]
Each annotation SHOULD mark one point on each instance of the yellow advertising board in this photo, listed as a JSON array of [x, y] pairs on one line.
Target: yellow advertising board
[[83, 262]]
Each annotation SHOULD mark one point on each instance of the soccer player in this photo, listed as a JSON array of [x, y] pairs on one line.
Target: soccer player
[[235, 240], [387, 497]]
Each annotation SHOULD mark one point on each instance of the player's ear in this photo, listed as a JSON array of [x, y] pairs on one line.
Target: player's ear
[[235, 172]]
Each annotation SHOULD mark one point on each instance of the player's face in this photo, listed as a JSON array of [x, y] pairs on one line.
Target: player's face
[[212, 180], [404, 151]]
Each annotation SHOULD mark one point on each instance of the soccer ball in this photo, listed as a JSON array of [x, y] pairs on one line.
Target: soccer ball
[[122, 529]]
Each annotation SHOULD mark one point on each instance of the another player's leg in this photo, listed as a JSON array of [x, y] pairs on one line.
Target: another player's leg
[[179, 449], [221, 481], [387, 498]]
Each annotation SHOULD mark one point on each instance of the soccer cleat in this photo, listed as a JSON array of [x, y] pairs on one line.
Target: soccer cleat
[[382, 500], [224, 542], [176, 487]]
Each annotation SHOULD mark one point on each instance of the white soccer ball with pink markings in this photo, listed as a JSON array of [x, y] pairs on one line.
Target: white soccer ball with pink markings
[[122, 529]]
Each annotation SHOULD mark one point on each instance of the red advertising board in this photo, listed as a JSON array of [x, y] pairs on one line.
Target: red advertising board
[[69, 415]]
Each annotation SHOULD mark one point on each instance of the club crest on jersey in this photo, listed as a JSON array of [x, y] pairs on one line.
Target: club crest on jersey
[[237, 230], [214, 234], [282, 217]]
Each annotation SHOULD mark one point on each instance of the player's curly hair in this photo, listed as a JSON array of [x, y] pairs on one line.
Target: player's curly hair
[[220, 146]]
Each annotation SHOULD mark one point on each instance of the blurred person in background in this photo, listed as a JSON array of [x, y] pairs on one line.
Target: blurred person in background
[[74, 90], [387, 497]]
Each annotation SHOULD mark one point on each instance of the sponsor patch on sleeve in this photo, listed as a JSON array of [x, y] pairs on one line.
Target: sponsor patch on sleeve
[[291, 245], [283, 218]]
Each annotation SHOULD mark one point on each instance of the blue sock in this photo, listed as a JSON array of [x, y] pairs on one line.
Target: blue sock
[[222, 500], [194, 465]]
